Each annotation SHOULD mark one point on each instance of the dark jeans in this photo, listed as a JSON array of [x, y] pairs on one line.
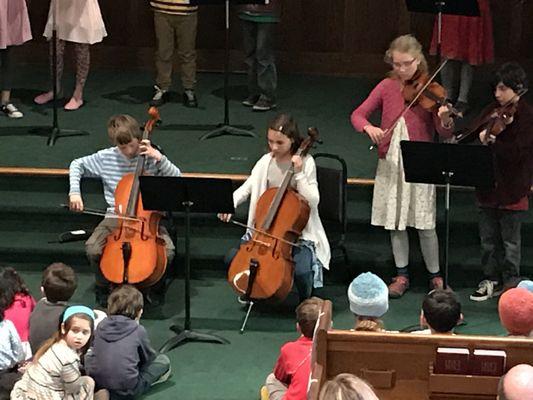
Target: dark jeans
[[303, 269], [149, 375], [499, 231], [6, 70], [258, 41]]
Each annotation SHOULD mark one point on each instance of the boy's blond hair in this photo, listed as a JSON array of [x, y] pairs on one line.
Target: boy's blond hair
[[123, 128]]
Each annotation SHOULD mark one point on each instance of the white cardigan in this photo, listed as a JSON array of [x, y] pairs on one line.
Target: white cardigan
[[306, 185]]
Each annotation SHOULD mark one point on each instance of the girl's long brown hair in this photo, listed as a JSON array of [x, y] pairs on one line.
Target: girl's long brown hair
[[58, 335]]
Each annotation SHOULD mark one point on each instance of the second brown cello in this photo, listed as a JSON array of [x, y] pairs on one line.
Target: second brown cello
[[263, 267]]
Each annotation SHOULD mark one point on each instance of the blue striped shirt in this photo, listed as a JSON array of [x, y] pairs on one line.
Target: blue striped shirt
[[110, 165]]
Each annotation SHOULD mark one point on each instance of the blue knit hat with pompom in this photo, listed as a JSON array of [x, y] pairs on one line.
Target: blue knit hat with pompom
[[368, 295]]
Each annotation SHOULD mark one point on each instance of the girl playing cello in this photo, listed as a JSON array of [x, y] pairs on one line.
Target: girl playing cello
[[397, 204], [313, 254]]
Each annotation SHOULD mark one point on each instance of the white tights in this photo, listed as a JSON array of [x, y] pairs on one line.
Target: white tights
[[429, 245]]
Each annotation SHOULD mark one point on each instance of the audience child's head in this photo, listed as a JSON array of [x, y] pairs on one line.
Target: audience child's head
[[441, 311], [125, 300], [11, 284], [58, 282], [516, 311], [517, 383], [123, 129], [307, 314], [369, 301], [526, 284], [75, 328], [347, 387]]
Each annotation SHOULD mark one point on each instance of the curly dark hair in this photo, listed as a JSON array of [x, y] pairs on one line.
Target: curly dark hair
[[10, 284]]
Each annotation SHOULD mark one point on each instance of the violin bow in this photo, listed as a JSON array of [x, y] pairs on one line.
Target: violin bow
[[408, 107]]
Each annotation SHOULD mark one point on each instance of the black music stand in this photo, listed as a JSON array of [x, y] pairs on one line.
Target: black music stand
[[186, 195], [468, 8], [447, 164], [225, 128]]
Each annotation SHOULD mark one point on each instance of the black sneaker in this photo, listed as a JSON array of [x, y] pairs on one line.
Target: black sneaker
[[250, 100], [486, 290], [264, 104], [159, 98], [11, 111], [189, 99]]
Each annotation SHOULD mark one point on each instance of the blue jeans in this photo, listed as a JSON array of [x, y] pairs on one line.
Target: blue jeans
[[499, 231], [258, 41]]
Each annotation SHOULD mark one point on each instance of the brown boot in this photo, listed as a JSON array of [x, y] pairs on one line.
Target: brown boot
[[398, 286]]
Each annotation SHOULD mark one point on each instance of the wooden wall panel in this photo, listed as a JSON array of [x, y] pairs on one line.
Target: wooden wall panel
[[337, 37]]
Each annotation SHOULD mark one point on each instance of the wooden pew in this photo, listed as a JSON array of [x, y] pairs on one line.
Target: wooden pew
[[400, 365]]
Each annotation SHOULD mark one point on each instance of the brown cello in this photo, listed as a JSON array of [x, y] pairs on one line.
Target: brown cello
[[263, 267], [134, 253]]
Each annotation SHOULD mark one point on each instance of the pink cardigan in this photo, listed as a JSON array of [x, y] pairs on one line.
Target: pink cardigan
[[19, 313], [387, 97]]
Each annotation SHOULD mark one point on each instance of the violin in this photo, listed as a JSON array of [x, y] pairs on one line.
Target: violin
[[494, 120], [432, 94], [416, 90], [134, 253], [263, 267]]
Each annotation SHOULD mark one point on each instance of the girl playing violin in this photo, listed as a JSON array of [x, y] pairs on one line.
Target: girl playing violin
[[110, 165], [503, 208], [283, 139], [397, 204]]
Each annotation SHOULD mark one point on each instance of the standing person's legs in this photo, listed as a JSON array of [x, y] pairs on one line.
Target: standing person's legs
[[429, 246], [185, 29], [448, 76], [83, 63], [94, 248], [400, 252], [491, 254], [510, 227], [249, 36], [465, 83], [164, 33], [267, 75], [6, 74], [60, 50]]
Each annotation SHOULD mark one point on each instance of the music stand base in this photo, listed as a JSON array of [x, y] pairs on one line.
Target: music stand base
[[55, 133], [187, 335], [231, 130]]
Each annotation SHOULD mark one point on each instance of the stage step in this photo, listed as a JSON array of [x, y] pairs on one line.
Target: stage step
[[32, 218]]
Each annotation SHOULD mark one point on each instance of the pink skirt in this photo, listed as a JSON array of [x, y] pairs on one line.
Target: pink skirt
[[78, 21], [14, 23], [466, 38]]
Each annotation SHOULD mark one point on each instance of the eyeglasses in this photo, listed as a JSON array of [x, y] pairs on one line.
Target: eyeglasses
[[405, 64]]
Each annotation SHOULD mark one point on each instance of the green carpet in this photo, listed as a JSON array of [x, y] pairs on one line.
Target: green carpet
[[203, 371]]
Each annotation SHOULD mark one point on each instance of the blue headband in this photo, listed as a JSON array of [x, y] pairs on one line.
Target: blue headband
[[70, 311]]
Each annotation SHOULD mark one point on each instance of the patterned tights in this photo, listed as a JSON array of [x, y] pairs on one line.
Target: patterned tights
[[83, 62]]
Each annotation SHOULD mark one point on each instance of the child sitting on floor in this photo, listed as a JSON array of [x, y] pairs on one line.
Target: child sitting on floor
[[369, 301], [516, 311], [290, 378], [20, 304], [441, 312], [58, 284], [122, 359]]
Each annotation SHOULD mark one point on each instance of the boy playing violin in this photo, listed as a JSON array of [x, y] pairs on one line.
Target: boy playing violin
[[110, 165], [313, 254], [503, 208]]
